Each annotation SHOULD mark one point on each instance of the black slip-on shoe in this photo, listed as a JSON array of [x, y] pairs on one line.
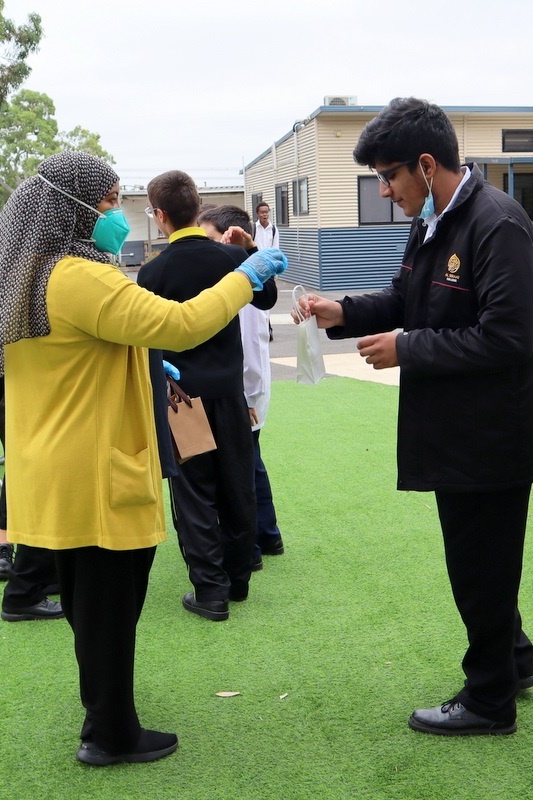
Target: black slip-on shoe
[[215, 610], [46, 609], [453, 719], [151, 746], [270, 546]]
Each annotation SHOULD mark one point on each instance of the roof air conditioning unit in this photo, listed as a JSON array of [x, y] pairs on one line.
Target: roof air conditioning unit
[[340, 100]]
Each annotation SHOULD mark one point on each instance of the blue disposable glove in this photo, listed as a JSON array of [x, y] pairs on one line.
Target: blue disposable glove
[[261, 266], [171, 370]]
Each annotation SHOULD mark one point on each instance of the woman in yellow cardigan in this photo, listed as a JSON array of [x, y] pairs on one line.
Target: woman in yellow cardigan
[[84, 475]]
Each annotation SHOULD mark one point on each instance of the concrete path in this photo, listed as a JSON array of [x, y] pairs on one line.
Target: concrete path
[[340, 357]]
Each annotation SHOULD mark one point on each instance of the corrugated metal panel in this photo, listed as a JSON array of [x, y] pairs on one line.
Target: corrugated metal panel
[[295, 157], [344, 258], [302, 251], [361, 258], [337, 170], [484, 133], [306, 168]]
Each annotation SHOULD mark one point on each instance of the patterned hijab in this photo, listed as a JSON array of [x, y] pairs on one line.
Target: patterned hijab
[[38, 226]]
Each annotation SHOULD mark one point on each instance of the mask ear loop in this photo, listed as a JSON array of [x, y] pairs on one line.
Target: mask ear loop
[[76, 200], [429, 185]]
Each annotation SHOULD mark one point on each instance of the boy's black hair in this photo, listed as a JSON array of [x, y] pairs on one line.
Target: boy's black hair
[[222, 217], [405, 129]]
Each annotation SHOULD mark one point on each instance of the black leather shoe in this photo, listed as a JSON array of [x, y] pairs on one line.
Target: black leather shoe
[[151, 746], [525, 683], [215, 610], [6, 560], [257, 566], [46, 609], [271, 547], [453, 719]]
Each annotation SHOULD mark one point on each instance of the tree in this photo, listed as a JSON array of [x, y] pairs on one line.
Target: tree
[[82, 139], [29, 134], [16, 44]]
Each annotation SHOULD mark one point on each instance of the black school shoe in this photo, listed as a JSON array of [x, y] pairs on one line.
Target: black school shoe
[[215, 610], [151, 746], [453, 719], [270, 546], [46, 609]]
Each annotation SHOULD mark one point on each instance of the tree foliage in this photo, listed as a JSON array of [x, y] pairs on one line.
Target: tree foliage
[[28, 129], [29, 134], [16, 44], [82, 139]]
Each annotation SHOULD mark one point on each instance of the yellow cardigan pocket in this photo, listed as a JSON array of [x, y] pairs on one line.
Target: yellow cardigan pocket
[[131, 480]]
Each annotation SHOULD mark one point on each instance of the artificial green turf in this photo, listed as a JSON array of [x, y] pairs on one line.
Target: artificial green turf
[[354, 624]]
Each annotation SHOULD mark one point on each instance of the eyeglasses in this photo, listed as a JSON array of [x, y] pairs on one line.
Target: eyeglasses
[[383, 177], [150, 211]]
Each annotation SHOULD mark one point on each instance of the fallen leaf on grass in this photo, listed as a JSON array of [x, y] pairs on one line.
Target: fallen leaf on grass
[[227, 694]]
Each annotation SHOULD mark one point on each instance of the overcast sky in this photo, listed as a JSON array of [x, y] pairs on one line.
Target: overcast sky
[[204, 86]]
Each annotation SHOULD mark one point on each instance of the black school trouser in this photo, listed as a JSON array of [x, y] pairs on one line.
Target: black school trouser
[[34, 569], [102, 594], [484, 540], [213, 505]]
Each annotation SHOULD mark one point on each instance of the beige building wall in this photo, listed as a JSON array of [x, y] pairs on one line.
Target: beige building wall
[[322, 151], [483, 135], [221, 197], [338, 171]]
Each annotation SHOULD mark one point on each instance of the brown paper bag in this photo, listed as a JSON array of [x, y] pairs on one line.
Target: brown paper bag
[[188, 424]]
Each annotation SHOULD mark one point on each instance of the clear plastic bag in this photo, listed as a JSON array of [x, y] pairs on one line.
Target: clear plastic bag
[[309, 360]]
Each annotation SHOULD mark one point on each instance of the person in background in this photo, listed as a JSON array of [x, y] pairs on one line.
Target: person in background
[[264, 233], [232, 224], [74, 325], [463, 301], [213, 497], [30, 573]]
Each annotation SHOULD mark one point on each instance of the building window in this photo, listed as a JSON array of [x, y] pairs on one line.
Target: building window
[[523, 189], [520, 141], [282, 204], [256, 199], [374, 209], [300, 197]]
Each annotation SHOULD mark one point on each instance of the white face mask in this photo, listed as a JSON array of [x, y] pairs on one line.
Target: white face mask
[[428, 209]]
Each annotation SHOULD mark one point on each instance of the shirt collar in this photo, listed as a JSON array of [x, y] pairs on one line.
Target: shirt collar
[[182, 232], [433, 220]]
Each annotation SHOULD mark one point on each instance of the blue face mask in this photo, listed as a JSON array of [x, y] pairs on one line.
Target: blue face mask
[[110, 231], [429, 204]]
